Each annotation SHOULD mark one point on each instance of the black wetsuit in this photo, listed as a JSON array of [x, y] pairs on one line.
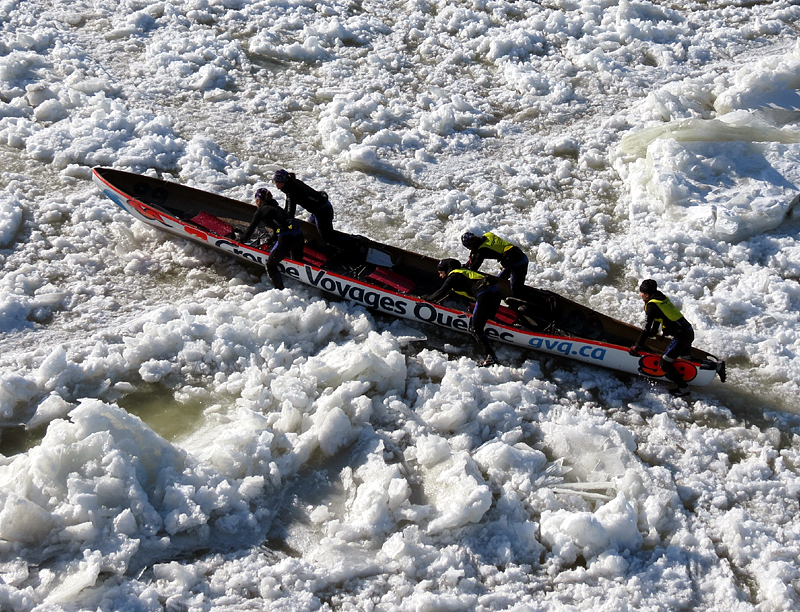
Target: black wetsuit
[[288, 232], [660, 312], [484, 290], [316, 202]]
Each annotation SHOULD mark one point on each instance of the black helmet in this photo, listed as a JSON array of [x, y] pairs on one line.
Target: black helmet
[[281, 176], [648, 287], [470, 240], [263, 194], [448, 265]]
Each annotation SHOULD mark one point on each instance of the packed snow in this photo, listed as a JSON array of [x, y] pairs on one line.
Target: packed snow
[[177, 435]]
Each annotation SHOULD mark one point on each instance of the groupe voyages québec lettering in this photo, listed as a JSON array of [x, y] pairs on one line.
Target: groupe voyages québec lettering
[[421, 311]]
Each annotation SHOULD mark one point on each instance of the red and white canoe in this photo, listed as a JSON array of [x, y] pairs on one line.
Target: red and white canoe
[[390, 280]]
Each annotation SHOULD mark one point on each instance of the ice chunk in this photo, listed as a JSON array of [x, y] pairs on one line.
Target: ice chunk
[[457, 492], [21, 520], [10, 219]]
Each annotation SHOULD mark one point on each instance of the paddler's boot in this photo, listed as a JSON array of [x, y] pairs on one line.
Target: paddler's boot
[[275, 277], [489, 361]]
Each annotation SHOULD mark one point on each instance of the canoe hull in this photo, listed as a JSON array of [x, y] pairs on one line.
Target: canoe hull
[[613, 356]]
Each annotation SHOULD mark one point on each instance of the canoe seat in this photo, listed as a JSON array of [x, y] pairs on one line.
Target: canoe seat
[[315, 258], [506, 315], [213, 224], [385, 276]]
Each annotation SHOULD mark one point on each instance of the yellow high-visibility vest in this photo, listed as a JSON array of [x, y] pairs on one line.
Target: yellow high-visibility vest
[[470, 274], [495, 243], [666, 307]]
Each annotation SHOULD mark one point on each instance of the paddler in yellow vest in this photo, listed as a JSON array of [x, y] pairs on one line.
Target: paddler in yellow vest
[[476, 286], [660, 312], [512, 259]]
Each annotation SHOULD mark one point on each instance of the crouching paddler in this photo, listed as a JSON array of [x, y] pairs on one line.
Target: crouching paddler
[[475, 286], [661, 313], [286, 231]]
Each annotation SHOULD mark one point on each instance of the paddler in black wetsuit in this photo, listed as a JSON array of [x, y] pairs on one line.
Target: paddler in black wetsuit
[[660, 312], [315, 202], [285, 229], [474, 285], [511, 257]]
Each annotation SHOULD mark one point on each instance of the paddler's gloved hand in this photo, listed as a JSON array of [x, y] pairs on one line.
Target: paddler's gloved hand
[[634, 351]]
